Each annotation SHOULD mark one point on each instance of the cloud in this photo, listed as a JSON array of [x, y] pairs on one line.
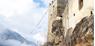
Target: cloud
[[40, 37], [23, 16], [28, 21], [11, 7], [21, 13]]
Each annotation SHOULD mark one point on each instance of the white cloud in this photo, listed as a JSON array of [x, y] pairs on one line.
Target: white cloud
[[23, 16], [11, 7], [25, 5], [26, 22], [40, 37]]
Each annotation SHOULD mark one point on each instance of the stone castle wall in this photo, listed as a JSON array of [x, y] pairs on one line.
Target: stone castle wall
[[72, 27]]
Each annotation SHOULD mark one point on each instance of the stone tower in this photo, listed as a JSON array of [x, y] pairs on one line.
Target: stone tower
[[55, 10], [70, 23]]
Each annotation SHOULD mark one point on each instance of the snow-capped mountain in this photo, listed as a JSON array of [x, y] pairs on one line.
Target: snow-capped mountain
[[10, 36]]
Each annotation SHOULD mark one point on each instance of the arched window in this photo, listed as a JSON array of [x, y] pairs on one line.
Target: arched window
[[80, 4]]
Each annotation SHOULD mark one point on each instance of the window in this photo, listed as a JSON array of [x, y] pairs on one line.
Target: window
[[91, 13], [80, 4], [74, 14]]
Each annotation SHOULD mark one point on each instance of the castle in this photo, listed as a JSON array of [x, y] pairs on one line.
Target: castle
[[65, 17]]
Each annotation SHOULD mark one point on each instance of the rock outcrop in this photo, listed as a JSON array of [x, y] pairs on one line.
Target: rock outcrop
[[82, 34]]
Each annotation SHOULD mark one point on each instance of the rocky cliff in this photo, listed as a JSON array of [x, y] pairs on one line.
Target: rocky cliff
[[81, 35]]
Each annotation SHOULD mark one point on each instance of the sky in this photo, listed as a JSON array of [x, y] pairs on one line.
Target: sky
[[27, 17]]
